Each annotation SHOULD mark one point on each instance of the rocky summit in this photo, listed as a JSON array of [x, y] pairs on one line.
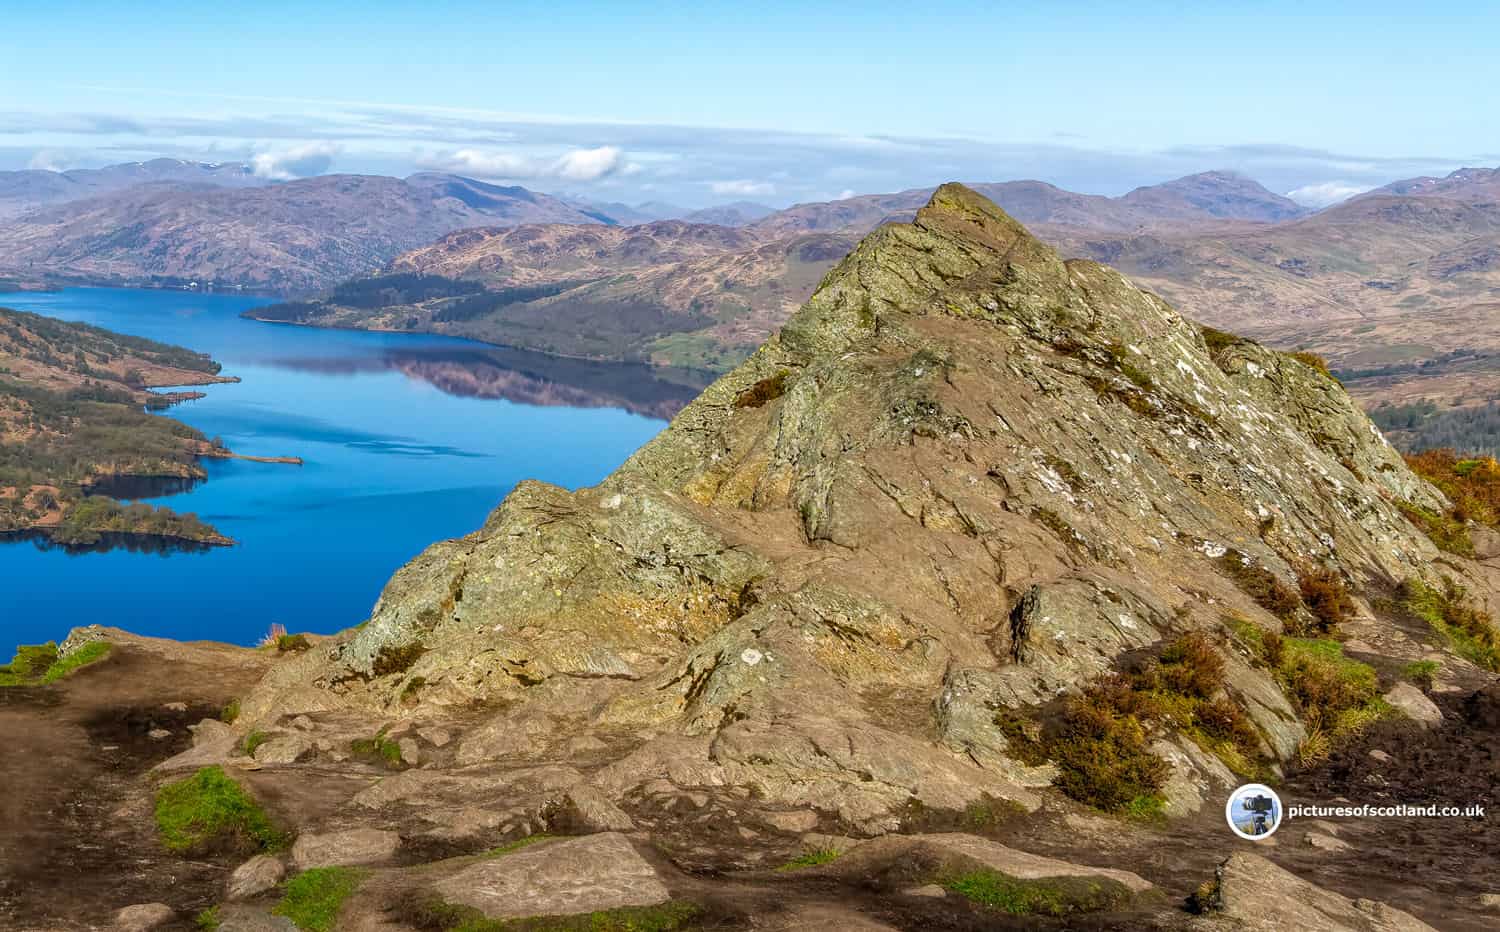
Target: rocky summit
[[962, 603]]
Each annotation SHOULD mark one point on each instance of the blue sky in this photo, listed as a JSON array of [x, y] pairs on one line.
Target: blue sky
[[707, 102]]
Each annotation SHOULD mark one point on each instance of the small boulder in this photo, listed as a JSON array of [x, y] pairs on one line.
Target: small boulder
[[796, 821], [593, 811], [210, 730], [255, 876], [143, 917], [558, 878], [240, 917], [176, 707], [930, 890], [158, 734], [437, 737], [817, 841], [1257, 895], [411, 752], [341, 849], [283, 749], [1380, 756], [1415, 705], [958, 848]]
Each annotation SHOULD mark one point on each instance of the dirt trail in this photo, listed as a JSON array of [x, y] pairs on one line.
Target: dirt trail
[[77, 842]]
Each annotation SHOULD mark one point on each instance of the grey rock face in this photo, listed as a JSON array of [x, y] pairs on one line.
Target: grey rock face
[[284, 749], [593, 811], [1258, 895], [1415, 705], [143, 917], [558, 878], [350, 847], [254, 877]]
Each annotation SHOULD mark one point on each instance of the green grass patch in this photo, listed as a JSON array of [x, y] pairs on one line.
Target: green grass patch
[[1445, 531], [1423, 673], [230, 712], [379, 749], [254, 740], [1265, 646], [1470, 631], [89, 653], [209, 812], [1046, 896], [1338, 697], [28, 666], [313, 898], [812, 857], [672, 916], [208, 919], [38, 664]]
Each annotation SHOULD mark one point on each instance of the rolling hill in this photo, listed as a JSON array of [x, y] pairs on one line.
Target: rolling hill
[[286, 238]]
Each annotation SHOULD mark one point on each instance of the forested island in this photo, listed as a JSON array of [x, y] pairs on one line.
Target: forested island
[[73, 415]]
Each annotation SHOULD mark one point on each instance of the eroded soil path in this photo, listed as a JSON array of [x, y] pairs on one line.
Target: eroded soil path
[[77, 840]]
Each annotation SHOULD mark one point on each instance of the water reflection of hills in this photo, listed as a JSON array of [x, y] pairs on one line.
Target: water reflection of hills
[[527, 378], [108, 540]]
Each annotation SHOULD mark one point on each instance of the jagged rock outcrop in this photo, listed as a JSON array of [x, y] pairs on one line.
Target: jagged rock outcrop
[[966, 476]]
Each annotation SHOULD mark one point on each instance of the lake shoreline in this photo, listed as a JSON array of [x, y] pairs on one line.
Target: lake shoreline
[[405, 439]]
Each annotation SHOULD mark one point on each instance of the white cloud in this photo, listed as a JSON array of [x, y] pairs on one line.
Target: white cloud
[[302, 161], [742, 188], [1327, 193], [589, 164], [49, 160], [573, 165]]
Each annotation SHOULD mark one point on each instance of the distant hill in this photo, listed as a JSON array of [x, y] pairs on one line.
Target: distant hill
[[23, 191], [1223, 195], [1472, 185], [293, 237], [1207, 199], [737, 214], [669, 292], [700, 294], [1376, 255]]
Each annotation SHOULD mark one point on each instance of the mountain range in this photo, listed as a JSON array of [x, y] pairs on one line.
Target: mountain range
[[656, 283], [24, 191], [965, 602], [291, 237], [1225, 249]]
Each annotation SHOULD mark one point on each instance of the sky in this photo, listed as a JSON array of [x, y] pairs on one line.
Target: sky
[[708, 102]]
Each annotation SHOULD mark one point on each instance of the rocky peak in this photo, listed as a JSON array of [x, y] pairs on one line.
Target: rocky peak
[[966, 477]]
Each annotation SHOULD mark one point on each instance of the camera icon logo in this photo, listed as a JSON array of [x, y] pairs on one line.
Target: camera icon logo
[[1254, 812]]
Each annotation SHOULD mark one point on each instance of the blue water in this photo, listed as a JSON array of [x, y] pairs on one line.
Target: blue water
[[393, 463]]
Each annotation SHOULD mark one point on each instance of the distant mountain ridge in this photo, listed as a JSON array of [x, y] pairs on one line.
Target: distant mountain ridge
[[1466, 184], [291, 237], [30, 189], [703, 295], [1208, 198]]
